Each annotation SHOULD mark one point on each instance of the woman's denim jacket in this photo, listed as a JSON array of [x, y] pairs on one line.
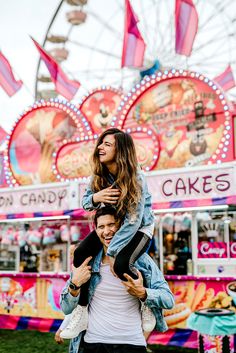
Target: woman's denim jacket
[[143, 215], [159, 295]]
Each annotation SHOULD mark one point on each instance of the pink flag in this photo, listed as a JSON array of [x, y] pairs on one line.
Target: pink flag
[[226, 79], [133, 43], [186, 26], [64, 86], [7, 79]]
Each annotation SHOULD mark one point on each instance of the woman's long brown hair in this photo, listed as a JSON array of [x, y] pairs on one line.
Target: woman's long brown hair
[[127, 167]]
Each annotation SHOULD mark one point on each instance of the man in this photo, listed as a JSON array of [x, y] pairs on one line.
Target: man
[[114, 322]]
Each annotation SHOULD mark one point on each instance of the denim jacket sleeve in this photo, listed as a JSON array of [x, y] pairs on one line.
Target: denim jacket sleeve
[[159, 294], [87, 201], [67, 302], [132, 224]]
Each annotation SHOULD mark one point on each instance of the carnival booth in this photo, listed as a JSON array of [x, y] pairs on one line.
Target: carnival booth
[[181, 124], [196, 236], [37, 227]]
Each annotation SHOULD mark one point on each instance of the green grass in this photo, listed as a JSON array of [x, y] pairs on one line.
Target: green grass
[[24, 341], [39, 342]]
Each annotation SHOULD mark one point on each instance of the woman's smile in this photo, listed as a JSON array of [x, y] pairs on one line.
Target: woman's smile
[[107, 149]]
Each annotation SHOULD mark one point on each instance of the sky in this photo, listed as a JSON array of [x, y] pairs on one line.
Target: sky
[[19, 19], [95, 47]]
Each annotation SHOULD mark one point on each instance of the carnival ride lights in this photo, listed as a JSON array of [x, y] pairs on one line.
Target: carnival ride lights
[[149, 81], [86, 133], [69, 108]]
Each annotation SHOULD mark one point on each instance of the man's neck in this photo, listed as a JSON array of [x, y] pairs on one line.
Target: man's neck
[[105, 258]]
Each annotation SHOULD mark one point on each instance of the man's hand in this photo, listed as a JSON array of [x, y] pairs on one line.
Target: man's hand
[[81, 274], [108, 195], [135, 286]]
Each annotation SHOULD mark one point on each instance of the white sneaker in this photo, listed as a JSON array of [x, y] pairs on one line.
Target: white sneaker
[[148, 319], [78, 323]]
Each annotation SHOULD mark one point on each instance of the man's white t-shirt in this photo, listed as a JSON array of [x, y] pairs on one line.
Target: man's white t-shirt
[[114, 314]]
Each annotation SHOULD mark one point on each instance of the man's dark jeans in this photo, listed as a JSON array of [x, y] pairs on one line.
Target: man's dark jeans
[[112, 348]]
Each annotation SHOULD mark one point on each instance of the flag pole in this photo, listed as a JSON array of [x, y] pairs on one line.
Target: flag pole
[[44, 41]]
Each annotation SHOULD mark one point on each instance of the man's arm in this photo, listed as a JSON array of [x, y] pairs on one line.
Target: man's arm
[[70, 297], [63, 325], [156, 292], [159, 295]]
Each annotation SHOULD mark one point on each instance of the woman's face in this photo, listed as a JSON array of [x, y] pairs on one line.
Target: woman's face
[[107, 150]]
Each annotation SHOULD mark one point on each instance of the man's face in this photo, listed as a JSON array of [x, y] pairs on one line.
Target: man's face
[[106, 229]]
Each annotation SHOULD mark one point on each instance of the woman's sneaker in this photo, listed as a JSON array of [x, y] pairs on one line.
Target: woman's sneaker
[[78, 323], [148, 319]]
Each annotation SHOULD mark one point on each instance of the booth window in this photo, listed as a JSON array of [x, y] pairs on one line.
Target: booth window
[[232, 235], [176, 230], [216, 235], [39, 245], [9, 257]]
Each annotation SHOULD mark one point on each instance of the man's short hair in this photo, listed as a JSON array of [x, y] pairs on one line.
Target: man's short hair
[[103, 211]]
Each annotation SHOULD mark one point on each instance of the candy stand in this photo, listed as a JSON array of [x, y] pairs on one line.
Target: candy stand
[[196, 241], [34, 252]]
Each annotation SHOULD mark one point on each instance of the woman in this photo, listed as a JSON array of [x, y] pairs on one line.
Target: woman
[[117, 180]]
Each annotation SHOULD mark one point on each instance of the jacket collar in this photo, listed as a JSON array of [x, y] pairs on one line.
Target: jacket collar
[[97, 262]]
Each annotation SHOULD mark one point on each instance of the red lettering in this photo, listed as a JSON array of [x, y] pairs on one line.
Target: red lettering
[[191, 185], [180, 186], [233, 248], [223, 184], [163, 186], [205, 183]]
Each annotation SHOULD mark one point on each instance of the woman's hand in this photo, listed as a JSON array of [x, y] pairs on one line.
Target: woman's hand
[[57, 337], [108, 195]]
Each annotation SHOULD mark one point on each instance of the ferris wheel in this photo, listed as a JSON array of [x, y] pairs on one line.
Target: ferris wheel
[[86, 38]]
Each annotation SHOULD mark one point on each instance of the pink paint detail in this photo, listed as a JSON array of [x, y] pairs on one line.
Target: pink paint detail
[[28, 151], [8, 322], [212, 250], [161, 338], [233, 249], [192, 341], [44, 325], [57, 286]]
